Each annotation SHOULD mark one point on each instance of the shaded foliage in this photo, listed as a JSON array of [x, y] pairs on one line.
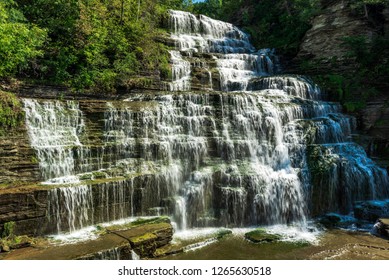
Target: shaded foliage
[[278, 24]]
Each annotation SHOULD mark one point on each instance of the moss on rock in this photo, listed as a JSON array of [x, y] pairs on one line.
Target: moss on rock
[[11, 112], [261, 236], [222, 233]]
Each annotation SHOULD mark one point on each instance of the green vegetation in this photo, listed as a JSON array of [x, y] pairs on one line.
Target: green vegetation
[[281, 24], [222, 233], [261, 236], [370, 77], [321, 160], [8, 231], [20, 41], [91, 45], [277, 24], [10, 241], [105, 46], [11, 112]]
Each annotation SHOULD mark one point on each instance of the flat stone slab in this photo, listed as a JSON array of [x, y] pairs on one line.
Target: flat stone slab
[[124, 239]]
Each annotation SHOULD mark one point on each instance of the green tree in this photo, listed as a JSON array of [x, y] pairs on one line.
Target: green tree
[[60, 53], [271, 23], [20, 41], [99, 44]]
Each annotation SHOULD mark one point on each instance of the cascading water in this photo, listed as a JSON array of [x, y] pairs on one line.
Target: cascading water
[[55, 129], [236, 59], [276, 154]]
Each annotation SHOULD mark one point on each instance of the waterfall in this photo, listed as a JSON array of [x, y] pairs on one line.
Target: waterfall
[[75, 207], [55, 129], [69, 207], [269, 152], [236, 59], [134, 256], [112, 254]]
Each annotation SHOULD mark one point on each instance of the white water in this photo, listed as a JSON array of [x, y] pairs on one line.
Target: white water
[[236, 59], [206, 159], [249, 150], [112, 254], [134, 256], [292, 233], [69, 207], [55, 129], [180, 73], [75, 207], [90, 232]]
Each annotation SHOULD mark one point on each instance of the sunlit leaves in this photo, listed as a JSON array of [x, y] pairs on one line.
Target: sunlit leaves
[[19, 41]]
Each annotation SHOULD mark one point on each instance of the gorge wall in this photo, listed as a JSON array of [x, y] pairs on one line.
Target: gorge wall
[[324, 48]]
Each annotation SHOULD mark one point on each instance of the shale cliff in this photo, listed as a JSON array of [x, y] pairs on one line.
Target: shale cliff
[[339, 34], [324, 44]]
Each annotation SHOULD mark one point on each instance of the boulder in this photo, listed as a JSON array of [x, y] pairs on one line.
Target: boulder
[[381, 228], [371, 210], [261, 236], [332, 220]]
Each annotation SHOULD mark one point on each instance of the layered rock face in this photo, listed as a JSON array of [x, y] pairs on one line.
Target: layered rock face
[[213, 55], [323, 45], [18, 159], [324, 49], [267, 150], [277, 155]]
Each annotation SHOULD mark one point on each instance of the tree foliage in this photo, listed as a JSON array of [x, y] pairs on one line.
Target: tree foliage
[[98, 44], [19, 41], [271, 23], [105, 45]]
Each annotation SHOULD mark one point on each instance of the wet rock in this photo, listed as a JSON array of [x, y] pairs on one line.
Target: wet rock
[[18, 160], [371, 210], [261, 236], [5, 248], [222, 233], [381, 228], [143, 239], [20, 245], [332, 220], [26, 207]]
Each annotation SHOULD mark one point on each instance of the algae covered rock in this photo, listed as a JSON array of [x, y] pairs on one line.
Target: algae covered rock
[[261, 236], [222, 233]]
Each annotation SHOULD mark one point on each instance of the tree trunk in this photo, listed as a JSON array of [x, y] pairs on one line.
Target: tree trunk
[[366, 10]]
